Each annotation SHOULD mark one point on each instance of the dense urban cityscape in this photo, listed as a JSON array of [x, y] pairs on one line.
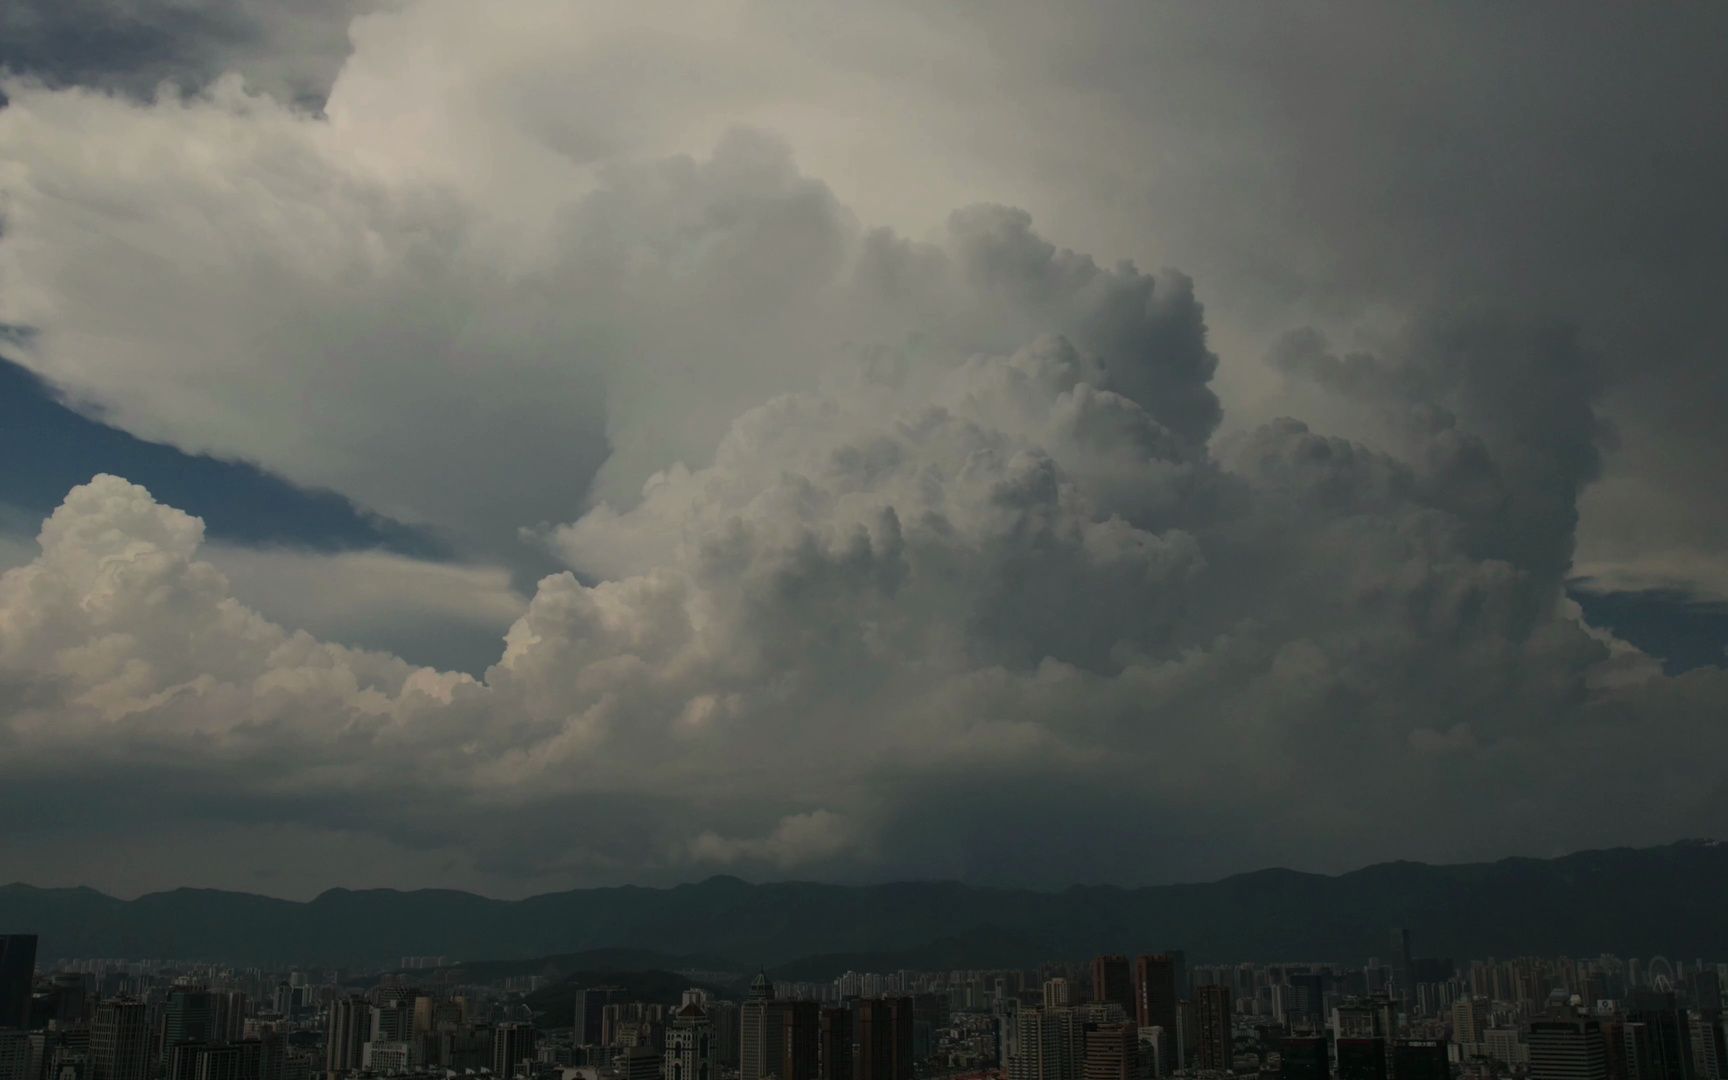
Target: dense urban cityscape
[[1400, 1016]]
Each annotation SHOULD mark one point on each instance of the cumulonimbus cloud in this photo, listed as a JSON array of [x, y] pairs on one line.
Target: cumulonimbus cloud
[[886, 555]]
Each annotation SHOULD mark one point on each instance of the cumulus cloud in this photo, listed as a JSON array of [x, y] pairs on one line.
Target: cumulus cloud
[[887, 551], [468, 286], [887, 604]]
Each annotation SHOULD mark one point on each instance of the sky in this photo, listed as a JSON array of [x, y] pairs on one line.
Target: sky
[[574, 443]]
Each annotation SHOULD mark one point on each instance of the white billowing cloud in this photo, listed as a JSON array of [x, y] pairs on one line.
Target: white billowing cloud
[[452, 183], [890, 553], [477, 276], [117, 611], [903, 622]]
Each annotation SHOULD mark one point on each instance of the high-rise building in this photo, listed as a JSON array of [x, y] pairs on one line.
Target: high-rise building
[[638, 1062], [388, 1056], [17, 979], [760, 1050], [461, 1048], [1567, 1048], [346, 1033], [1156, 993], [1058, 993], [1420, 1059], [1658, 1038], [1112, 1051], [1304, 1057], [120, 1041], [1709, 1049], [689, 1044], [393, 1020], [264, 1057], [189, 1016], [1403, 987], [1113, 983], [16, 1055], [1213, 1045], [218, 1063], [1361, 1058], [800, 1038], [1307, 1007], [1505, 1045], [882, 1032], [929, 1013], [724, 1017], [232, 1009], [1367, 1018], [1469, 1020], [180, 1060], [834, 1047], [1707, 990], [512, 1048], [591, 1010], [1049, 1045]]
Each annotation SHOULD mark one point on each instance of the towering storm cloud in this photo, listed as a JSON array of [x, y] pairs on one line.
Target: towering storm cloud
[[845, 547]]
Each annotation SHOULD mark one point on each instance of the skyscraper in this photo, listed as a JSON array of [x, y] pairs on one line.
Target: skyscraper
[[1155, 996], [1361, 1058], [1469, 1018], [1403, 988], [591, 1010], [218, 1063], [689, 1044], [513, 1047], [800, 1023], [1049, 1045], [1567, 1049], [835, 1044], [1212, 1024], [1058, 994], [723, 1015], [1709, 1049], [1420, 1059], [1304, 1057], [15, 1055], [189, 1016], [638, 1062], [1113, 983], [393, 1020], [1658, 1038], [760, 1050], [1112, 1051], [346, 1034], [1307, 1008], [882, 1030], [17, 977], [120, 1041]]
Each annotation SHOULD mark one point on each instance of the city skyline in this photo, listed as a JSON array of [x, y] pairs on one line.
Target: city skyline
[[1407, 1017]]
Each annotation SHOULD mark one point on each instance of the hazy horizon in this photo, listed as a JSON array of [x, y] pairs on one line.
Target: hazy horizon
[[856, 884]]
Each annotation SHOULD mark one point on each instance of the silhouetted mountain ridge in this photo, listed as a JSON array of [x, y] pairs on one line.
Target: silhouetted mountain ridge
[[1634, 901]]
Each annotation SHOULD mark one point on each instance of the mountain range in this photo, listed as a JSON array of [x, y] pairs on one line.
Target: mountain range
[[1631, 901]]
